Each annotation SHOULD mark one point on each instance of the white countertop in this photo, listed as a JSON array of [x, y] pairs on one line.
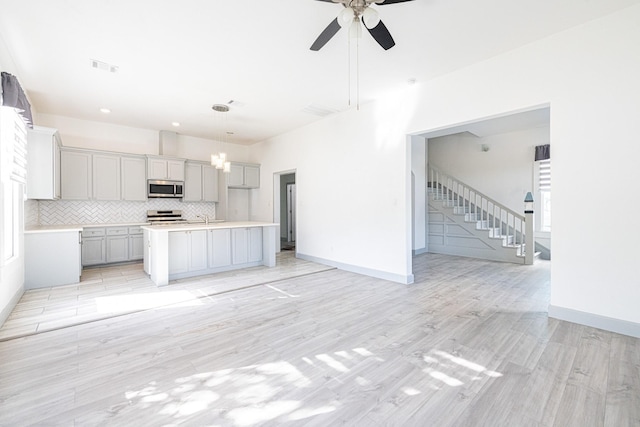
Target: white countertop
[[212, 225], [76, 227]]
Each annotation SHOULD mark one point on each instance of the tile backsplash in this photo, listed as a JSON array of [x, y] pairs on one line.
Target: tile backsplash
[[58, 212]]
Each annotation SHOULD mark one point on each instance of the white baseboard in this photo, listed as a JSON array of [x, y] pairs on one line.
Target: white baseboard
[[405, 280], [596, 321], [420, 251], [6, 311]]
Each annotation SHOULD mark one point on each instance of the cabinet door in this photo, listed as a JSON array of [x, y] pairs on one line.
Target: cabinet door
[[106, 177], [255, 244], [134, 179], [219, 248], [198, 250], [117, 248], [156, 168], [43, 164], [236, 176], [93, 251], [252, 176], [178, 252], [192, 182], [75, 174], [209, 183], [175, 170], [136, 247], [239, 249]]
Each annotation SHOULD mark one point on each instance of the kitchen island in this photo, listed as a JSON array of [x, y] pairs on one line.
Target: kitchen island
[[176, 251]]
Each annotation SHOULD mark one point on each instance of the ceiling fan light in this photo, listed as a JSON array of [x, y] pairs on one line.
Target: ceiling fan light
[[345, 17], [214, 159], [370, 18], [226, 167]]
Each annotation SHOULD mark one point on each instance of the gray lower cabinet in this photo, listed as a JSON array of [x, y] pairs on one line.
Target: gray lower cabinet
[[219, 248], [187, 251], [246, 245], [105, 245], [136, 244], [94, 246], [117, 244]]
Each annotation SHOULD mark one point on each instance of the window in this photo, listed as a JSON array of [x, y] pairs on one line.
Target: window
[[544, 191]]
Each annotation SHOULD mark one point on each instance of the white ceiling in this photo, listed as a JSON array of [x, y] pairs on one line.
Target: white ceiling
[[178, 58]]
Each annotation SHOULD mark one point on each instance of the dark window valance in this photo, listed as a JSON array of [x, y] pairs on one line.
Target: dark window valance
[[14, 96], [543, 152]]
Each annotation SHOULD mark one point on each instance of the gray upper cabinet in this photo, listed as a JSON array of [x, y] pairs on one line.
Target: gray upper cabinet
[[200, 182], [75, 175], [99, 175], [43, 163], [134, 178], [244, 175], [106, 177], [159, 167]]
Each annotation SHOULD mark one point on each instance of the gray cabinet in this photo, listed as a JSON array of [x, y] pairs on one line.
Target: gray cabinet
[[246, 245], [133, 178], [105, 245], [244, 175], [159, 167], [106, 177], [43, 163], [94, 246], [187, 251], [200, 182], [219, 248], [75, 175], [117, 244], [136, 244]]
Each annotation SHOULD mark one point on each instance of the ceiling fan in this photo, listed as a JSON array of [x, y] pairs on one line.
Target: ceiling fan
[[355, 11]]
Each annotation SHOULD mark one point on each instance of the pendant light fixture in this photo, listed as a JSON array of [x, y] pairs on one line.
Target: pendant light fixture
[[219, 160]]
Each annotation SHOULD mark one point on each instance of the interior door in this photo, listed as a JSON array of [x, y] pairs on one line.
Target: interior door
[[291, 213]]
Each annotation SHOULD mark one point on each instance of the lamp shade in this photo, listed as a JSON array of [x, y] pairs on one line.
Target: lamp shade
[[345, 17], [370, 18]]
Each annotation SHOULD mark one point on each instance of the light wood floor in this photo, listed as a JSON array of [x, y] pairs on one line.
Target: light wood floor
[[469, 344]]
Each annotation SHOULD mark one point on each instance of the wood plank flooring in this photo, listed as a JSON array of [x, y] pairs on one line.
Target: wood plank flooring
[[469, 344]]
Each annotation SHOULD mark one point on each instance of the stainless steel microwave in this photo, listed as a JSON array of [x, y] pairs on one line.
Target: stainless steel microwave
[[160, 188]]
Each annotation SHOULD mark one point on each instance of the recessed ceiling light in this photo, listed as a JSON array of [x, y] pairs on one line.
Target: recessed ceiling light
[[105, 110], [176, 124]]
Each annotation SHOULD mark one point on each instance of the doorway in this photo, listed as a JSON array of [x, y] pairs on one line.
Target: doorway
[[285, 212]]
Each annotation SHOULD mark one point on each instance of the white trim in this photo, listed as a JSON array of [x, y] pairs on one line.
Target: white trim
[[4, 314], [398, 278], [420, 251], [619, 326]]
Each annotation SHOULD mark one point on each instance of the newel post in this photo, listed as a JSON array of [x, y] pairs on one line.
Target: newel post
[[529, 236]]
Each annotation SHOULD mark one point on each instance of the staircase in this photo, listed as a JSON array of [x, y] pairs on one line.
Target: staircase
[[465, 222]]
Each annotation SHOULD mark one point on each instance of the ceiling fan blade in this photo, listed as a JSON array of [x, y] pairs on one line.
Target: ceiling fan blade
[[326, 35], [382, 35], [387, 2]]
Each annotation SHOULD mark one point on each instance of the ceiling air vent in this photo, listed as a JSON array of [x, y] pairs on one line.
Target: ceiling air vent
[[318, 110], [103, 66]]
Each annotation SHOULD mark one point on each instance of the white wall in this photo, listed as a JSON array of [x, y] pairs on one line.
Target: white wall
[[352, 187], [589, 77], [504, 173], [353, 171], [124, 139]]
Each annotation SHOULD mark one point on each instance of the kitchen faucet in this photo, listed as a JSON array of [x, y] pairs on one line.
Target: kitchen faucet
[[205, 217]]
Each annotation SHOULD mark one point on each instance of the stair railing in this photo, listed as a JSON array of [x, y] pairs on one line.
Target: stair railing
[[476, 206]]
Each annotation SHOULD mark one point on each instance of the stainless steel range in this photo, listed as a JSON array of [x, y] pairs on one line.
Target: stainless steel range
[[165, 217]]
